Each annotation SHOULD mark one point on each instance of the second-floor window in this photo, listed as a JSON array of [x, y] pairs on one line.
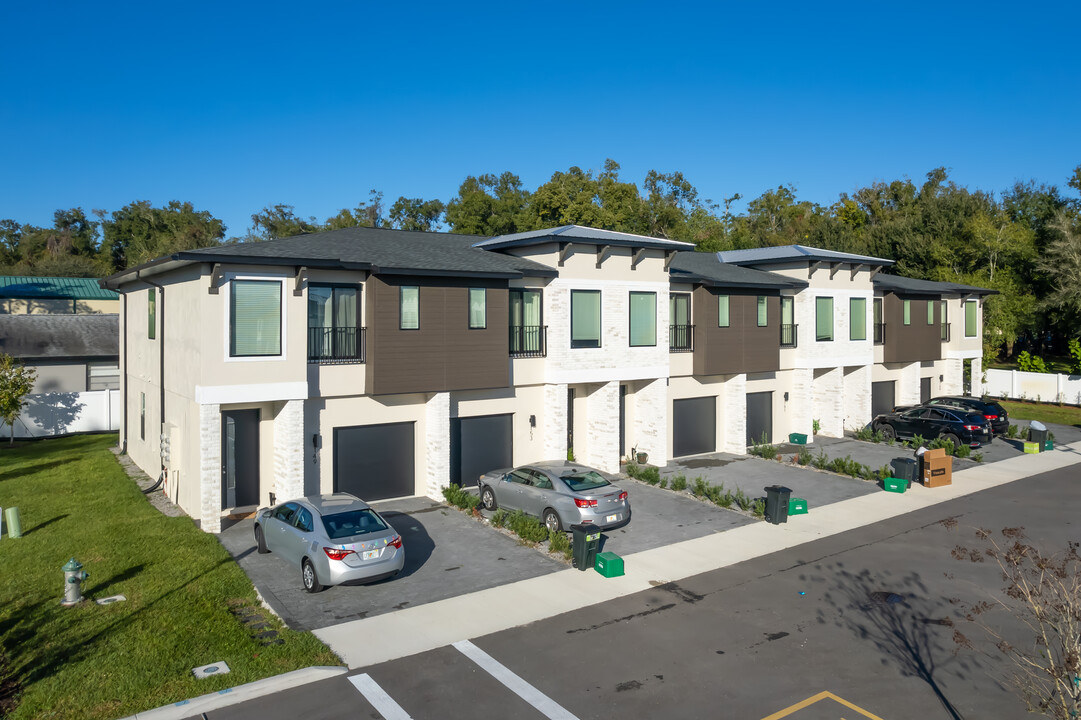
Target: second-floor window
[[858, 323], [788, 324], [823, 319], [478, 308], [763, 312], [679, 321], [643, 330], [152, 313], [409, 307], [332, 323], [906, 311], [255, 314], [970, 318], [526, 330], [930, 312], [585, 318], [880, 327], [722, 311]]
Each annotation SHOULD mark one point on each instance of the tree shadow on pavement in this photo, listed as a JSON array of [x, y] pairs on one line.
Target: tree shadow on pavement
[[911, 630]]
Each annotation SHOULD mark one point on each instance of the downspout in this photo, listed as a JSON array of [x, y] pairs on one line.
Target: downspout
[[160, 320], [124, 397]]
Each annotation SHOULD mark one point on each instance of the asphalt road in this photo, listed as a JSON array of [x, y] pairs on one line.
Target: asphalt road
[[763, 639]]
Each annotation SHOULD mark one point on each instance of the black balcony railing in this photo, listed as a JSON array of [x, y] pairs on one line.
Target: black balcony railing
[[945, 332], [528, 341], [680, 338], [789, 336], [880, 333], [329, 345]]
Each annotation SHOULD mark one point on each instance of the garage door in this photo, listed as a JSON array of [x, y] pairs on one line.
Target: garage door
[[882, 397], [374, 462], [759, 417], [694, 426], [479, 445]]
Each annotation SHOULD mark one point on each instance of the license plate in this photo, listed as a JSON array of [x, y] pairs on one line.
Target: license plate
[[611, 518], [369, 554]]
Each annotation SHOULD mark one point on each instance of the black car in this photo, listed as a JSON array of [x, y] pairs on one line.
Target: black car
[[929, 423], [995, 413]]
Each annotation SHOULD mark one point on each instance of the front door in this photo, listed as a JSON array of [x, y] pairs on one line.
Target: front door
[[239, 458], [925, 389], [759, 417]]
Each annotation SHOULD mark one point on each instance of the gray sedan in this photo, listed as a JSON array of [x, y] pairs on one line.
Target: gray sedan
[[561, 494], [332, 539]]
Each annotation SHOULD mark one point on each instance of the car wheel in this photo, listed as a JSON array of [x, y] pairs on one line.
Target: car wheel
[[487, 498], [950, 437], [260, 541], [551, 521], [308, 576], [887, 431]]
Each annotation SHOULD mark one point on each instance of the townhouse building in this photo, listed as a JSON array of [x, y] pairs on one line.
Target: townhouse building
[[389, 363]]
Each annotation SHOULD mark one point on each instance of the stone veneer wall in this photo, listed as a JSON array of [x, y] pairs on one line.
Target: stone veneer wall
[[801, 403], [289, 450], [857, 396], [554, 422], [602, 427], [908, 386], [953, 376], [437, 443], [828, 389], [650, 430], [210, 467], [733, 420]]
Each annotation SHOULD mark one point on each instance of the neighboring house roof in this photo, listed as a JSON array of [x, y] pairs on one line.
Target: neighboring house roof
[[380, 250], [26, 286], [912, 286], [792, 253], [571, 233], [706, 268], [60, 336]]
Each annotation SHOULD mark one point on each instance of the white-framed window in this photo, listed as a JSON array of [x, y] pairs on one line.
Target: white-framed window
[[970, 318], [643, 319], [255, 318], [858, 321], [409, 307], [478, 308], [585, 318], [823, 319]]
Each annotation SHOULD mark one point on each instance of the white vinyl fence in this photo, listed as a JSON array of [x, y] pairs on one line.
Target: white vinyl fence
[[1041, 387], [64, 413]]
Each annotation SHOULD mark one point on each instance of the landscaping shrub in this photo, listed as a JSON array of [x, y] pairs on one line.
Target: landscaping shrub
[[865, 433], [962, 451], [700, 488], [460, 498], [1031, 363], [742, 499], [764, 449], [633, 470], [527, 527], [679, 483], [759, 508], [664, 482], [978, 457], [650, 475], [1011, 431], [804, 457], [821, 460], [560, 543], [499, 518]]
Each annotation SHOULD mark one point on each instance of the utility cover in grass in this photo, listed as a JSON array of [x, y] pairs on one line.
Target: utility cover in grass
[[205, 671]]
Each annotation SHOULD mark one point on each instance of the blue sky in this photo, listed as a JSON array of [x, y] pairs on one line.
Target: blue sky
[[235, 106]]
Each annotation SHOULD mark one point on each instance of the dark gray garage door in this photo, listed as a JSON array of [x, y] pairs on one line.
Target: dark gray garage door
[[478, 445], [882, 397], [374, 462], [759, 417], [694, 426]]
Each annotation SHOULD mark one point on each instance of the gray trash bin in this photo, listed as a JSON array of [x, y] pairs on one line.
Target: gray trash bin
[[777, 497], [1037, 433], [585, 539], [905, 468]]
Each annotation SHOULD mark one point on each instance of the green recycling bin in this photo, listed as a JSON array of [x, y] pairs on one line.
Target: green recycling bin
[[585, 540]]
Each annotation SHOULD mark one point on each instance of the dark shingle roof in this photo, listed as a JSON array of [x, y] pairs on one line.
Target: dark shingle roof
[[706, 268], [60, 336], [790, 253], [569, 233], [912, 286], [25, 286]]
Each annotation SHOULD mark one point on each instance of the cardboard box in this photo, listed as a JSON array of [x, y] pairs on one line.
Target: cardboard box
[[937, 468]]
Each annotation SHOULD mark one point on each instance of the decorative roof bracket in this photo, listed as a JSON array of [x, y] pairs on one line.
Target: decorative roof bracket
[[302, 276], [215, 279], [603, 251]]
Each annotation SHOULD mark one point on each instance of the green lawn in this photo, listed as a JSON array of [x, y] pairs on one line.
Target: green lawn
[[1044, 412], [184, 594]]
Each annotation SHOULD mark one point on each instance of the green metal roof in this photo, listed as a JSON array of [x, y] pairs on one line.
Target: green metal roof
[[16, 286]]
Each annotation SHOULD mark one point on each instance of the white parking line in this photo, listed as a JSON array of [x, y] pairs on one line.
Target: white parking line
[[546, 705], [379, 699]]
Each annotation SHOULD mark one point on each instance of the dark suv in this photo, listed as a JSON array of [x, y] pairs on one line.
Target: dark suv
[[929, 423], [991, 410]]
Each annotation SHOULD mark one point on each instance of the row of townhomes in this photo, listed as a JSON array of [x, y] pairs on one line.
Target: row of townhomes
[[388, 363]]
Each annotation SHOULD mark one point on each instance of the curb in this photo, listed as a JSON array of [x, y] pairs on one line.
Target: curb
[[240, 693]]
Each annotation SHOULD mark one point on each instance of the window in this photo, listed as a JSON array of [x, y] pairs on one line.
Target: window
[[142, 416], [409, 307], [679, 321], [722, 311], [478, 312], [823, 318], [763, 314], [255, 315], [907, 311], [585, 318], [526, 331], [857, 328], [304, 521], [102, 375], [152, 313], [332, 323], [880, 327], [788, 325], [970, 318], [643, 319], [930, 312]]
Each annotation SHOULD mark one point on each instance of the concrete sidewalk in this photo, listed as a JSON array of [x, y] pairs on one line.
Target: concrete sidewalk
[[413, 630]]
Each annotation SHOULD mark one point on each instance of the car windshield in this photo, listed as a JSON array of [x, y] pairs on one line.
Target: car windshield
[[353, 522], [580, 482]]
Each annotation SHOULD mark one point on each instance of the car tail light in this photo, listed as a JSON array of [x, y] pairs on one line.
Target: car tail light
[[623, 495], [991, 417], [972, 427], [336, 553], [583, 503], [395, 542]]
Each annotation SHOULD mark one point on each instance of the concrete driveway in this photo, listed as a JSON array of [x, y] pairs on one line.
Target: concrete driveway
[[447, 553]]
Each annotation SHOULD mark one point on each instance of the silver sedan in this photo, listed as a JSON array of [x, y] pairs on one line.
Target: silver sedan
[[561, 494], [332, 539]]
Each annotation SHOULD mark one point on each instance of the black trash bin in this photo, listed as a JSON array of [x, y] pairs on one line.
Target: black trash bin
[[777, 504], [1038, 436], [585, 539], [905, 468]]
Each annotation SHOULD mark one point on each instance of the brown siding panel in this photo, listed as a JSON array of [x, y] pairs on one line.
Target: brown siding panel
[[743, 346], [911, 343]]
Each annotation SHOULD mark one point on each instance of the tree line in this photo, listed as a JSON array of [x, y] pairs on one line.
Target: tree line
[[1024, 242]]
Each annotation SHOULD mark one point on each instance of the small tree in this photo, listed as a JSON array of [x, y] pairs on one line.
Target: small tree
[[16, 382], [1044, 593]]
